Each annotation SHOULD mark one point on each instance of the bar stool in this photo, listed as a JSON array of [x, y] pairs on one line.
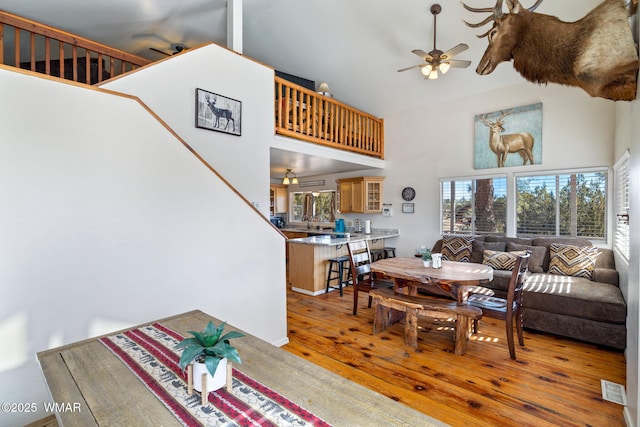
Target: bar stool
[[389, 252], [337, 268], [377, 254]]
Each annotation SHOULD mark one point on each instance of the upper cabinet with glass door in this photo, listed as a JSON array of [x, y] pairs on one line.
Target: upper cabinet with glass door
[[361, 195]]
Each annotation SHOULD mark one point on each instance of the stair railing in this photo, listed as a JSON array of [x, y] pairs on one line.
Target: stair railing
[[309, 116], [37, 47]]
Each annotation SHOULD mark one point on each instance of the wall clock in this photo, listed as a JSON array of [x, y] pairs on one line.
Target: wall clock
[[408, 193]]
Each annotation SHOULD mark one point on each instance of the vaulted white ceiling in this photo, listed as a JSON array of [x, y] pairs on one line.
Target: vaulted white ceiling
[[356, 46]]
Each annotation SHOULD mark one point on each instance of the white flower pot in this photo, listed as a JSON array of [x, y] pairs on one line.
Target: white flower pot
[[426, 263], [215, 382]]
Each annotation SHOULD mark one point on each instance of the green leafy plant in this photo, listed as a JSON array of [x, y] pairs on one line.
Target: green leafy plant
[[209, 346], [426, 256]]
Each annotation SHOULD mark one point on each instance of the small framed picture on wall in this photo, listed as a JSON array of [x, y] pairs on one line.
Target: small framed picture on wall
[[218, 113], [407, 208]]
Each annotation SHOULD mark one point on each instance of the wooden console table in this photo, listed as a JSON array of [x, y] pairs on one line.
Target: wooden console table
[[108, 394]]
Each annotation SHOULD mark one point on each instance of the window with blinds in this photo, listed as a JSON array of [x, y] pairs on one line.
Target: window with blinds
[[565, 204], [474, 206], [621, 205]]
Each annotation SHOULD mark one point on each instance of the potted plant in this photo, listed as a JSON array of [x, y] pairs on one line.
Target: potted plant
[[209, 351], [426, 258]]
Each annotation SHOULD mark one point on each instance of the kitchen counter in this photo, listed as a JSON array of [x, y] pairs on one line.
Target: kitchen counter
[[308, 256], [337, 239]]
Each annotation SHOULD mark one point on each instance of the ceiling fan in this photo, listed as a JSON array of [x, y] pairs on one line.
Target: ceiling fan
[[437, 60], [177, 48]]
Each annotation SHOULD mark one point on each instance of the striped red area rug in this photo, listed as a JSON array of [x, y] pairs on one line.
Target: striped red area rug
[[149, 353]]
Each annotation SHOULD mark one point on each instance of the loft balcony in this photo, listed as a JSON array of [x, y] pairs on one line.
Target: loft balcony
[[300, 113], [309, 116]]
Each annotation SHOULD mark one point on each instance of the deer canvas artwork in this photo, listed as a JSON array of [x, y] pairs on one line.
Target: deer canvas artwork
[[217, 112], [510, 137], [596, 53]]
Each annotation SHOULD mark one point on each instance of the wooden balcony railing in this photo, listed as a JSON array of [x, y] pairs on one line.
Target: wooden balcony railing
[[37, 47], [306, 115]]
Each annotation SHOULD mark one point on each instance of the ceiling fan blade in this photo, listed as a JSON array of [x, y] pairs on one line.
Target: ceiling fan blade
[[159, 51], [411, 68], [458, 63], [422, 54], [454, 51]]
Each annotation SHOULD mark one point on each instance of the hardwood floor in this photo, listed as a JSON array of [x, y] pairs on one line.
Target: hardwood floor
[[554, 382]]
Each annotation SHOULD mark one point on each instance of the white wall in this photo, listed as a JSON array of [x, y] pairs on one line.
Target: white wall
[[168, 88], [633, 317], [628, 137], [424, 145], [108, 220], [427, 144]]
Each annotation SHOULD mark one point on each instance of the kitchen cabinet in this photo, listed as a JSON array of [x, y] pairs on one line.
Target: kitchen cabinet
[[360, 195], [279, 199]]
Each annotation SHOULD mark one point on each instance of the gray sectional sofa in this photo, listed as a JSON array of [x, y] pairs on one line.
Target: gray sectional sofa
[[577, 307]]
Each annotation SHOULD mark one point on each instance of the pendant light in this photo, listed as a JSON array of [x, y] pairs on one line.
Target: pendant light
[[289, 179]]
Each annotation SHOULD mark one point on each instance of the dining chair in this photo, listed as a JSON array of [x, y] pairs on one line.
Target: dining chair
[[506, 309], [362, 277]]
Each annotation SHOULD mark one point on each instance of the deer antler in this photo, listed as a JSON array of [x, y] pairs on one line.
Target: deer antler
[[498, 121], [483, 119], [496, 12], [514, 3], [503, 114]]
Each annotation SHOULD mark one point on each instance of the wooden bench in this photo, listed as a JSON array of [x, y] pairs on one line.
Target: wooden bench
[[386, 300]]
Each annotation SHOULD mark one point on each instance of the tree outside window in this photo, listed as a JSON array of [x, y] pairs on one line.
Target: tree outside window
[[562, 205], [474, 206], [313, 206]]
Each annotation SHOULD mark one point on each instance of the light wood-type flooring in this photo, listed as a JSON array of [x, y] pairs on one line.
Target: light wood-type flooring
[[554, 382]]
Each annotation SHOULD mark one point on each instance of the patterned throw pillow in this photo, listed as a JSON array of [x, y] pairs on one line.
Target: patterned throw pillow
[[501, 260], [569, 260], [537, 255], [456, 248]]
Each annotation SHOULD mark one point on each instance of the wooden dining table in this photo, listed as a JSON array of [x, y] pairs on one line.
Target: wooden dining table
[[93, 387], [454, 279]]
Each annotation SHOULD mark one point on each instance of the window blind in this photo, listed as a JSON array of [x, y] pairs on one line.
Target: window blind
[[474, 206], [568, 204], [621, 205]]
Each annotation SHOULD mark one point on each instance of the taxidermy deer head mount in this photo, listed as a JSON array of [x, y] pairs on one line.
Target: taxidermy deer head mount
[[596, 53]]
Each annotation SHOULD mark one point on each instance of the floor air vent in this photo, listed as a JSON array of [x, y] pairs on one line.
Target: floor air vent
[[613, 392]]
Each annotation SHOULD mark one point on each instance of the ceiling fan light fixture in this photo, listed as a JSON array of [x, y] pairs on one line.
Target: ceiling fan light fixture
[[438, 62], [289, 180], [426, 70]]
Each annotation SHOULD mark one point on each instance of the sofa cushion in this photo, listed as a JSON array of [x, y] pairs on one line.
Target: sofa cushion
[[500, 282], [518, 240], [606, 259], [548, 240], [570, 260], [501, 260], [480, 246], [575, 297], [457, 248], [437, 246], [606, 275], [537, 255]]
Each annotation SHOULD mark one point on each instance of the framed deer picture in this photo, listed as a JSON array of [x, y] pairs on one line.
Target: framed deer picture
[[511, 137], [218, 113]]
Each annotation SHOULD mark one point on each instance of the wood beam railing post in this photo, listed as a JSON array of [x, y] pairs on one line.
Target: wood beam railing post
[[304, 114], [16, 44], [42, 54]]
